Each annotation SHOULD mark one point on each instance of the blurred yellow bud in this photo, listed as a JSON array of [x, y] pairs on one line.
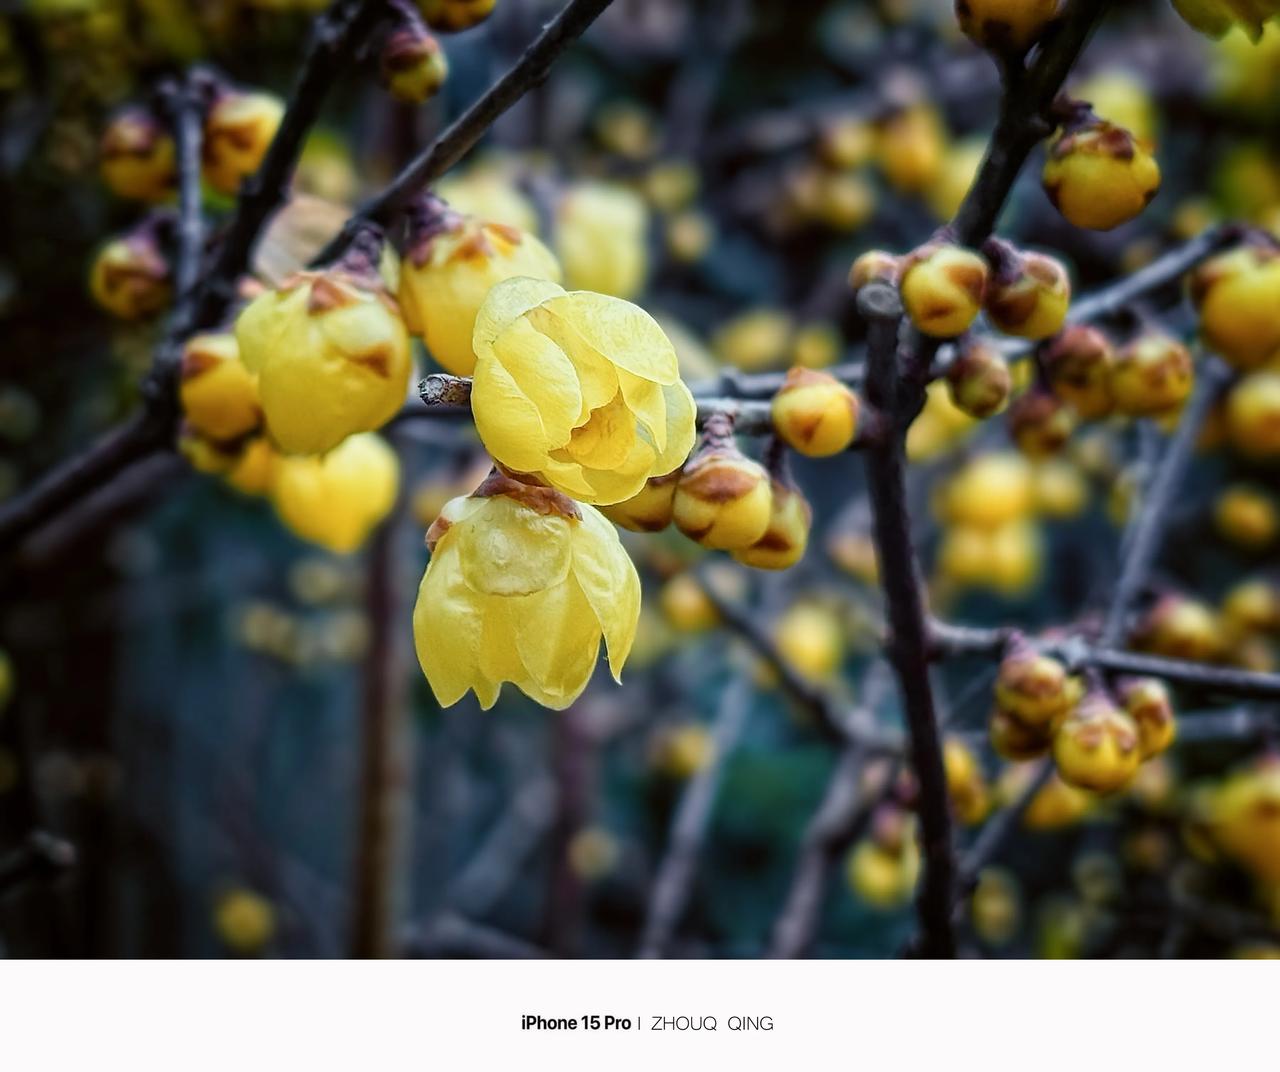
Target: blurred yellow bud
[[1247, 516], [237, 133], [1097, 746], [139, 160], [1253, 416], [601, 236], [219, 396], [942, 288], [130, 277], [686, 606], [1237, 294], [755, 340], [413, 66], [244, 920], [1079, 365], [1098, 175], [452, 16]]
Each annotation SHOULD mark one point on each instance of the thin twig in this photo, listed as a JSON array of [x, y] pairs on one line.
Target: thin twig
[[461, 135], [689, 828]]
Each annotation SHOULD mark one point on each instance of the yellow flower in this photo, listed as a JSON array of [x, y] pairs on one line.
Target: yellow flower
[[1099, 176], [521, 587], [130, 277], [580, 390], [331, 355], [336, 499], [452, 264], [237, 134], [139, 160], [219, 395], [601, 238], [254, 472]]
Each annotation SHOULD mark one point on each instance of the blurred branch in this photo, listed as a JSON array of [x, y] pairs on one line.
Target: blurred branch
[[461, 135], [839, 821], [689, 827], [40, 857], [571, 756], [453, 935], [908, 646]]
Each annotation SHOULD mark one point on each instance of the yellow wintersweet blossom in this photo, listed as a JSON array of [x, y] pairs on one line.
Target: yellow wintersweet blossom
[[601, 238], [331, 354], [336, 499], [579, 390], [452, 263], [219, 396], [521, 586]]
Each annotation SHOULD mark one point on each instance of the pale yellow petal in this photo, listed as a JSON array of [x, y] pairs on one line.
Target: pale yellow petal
[[609, 582], [507, 549], [622, 332], [558, 638], [447, 629], [545, 376], [505, 302], [682, 412], [606, 440], [506, 419], [647, 401]]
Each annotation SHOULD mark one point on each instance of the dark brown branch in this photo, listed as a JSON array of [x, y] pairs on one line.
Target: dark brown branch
[[461, 135], [890, 391], [689, 827]]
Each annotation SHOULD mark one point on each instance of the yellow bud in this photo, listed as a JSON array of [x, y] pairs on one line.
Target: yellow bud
[[942, 288], [413, 65], [723, 500], [1032, 687], [855, 553], [989, 491], [996, 907], [1247, 516], [874, 266], [1040, 424], [139, 160], [949, 187], [671, 185], [979, 380], [1238, 296], [628, 129], [1005, 26], [602, 239], [686, 606], [204, 455], [755, 340], [522, 586], [649, 510], [681, 751], [331, 354], [219, 395], [1079, 365], [965, 784], [1016, 558], [1097, 746], [244, 920], [689, 235], [1252, 606], [1253, 416], [910, 148], [1027, 293], [1152, 375], [1146, 700], [130, 277], [816, 345], [336, 499], [1245, 818], [593, 853], [453, 263], [882, 878], [846, 142], [785, 540], [1181, 628], [452, 16], [1056, 805], [1015, 739], [843, 201], [488, 191], [814, 413], [1098, 175], [1060, 489], [237, 133]]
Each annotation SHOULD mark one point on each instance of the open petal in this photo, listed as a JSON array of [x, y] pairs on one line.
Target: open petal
[[609, 582], [508, 549], [509, 424], [624, 333], [646, 400], [558, 638], [545, 375], [446, 630], [504, 303], [682, 413], [607, 439]]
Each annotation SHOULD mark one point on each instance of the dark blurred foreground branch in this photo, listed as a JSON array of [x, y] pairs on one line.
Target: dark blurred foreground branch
[[457, 140], [689, 827], [41, 856]]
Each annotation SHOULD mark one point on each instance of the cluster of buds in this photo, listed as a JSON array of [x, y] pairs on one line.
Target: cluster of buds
[[413, 66], [1027, 293], [1098, 175], [883, 867]]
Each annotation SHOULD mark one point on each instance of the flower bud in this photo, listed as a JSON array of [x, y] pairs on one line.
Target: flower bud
[[1078, 365], [988, 491], [686, 606], [689, 234], [1027, 293], [1251, 607], [451, 265], [139, 159], [1098, 175], [649, 510], [846, 142], [1034, 688], [254, 470], [810, 640], [979, 379], [1005, 26], [681, 751], [1237, 294], [885, 877], [1097, 746], [452, 16], [1147, 702], [219, 395], [874, 266], [336, 499], [1247, 517], [1040, 424], [854, 552], [754, 340], [237, 133], [1245, 818], [130, 277], [1061, 491], [245, 921], [331, 354], [1253, 416], [995, 909], [942, 288], [1181, 628], [910, 147], [413, 65], [816, 345], [970, 799], [1153, 374], [785, 540], [1056, 805], [723, 499], [1014, 739], [814, 413], [602, 238]]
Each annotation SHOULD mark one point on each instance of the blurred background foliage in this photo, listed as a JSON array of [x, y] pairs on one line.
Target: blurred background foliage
[[187, 677]]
